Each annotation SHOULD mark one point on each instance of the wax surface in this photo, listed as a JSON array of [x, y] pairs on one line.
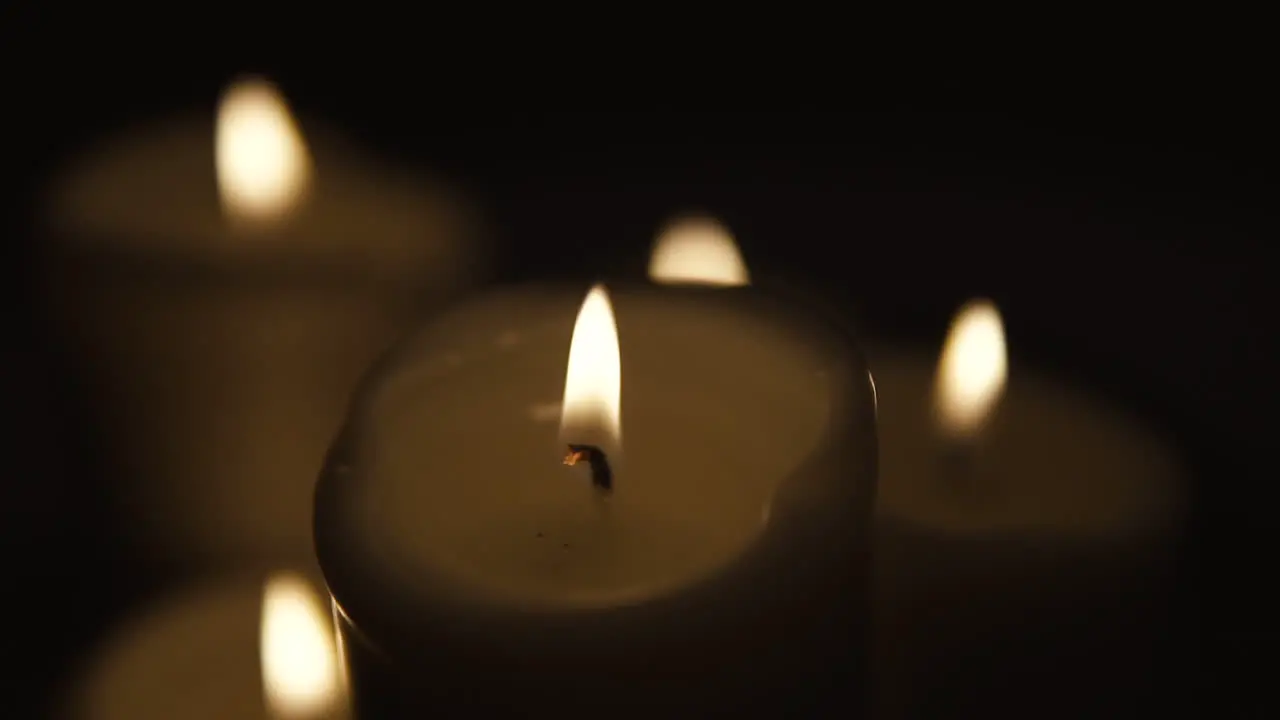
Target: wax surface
[[464, 478], [1053, 460], [221, 356], [194, 656]]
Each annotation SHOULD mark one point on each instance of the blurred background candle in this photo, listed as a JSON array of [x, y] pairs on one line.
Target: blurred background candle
[[229, 648], [1025, 536], [220, 286]]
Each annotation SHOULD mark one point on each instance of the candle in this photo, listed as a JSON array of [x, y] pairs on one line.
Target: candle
[[226, 649], [706, 551], [1024, 529], [223, 286]]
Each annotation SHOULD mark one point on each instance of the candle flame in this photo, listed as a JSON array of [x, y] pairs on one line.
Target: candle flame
[[261, 159], [972, 370], [300, 674], [697, 251], [592, 409]]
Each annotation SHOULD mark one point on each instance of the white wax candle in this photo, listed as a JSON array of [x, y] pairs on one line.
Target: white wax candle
[[221, 335], [206, 652], [746, 468], [703, 459], [1034, 566]]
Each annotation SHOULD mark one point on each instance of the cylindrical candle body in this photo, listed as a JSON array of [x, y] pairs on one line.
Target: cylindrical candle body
[[1033, 566], [725, 571], [221, 353]]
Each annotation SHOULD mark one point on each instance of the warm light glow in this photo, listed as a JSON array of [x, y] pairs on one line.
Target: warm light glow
[[261, 159], [972, 370], [344, 681], [697, 251], [592, 413], [300, 675]]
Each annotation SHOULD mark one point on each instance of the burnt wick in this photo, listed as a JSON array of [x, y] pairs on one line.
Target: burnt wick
[[601, 473]]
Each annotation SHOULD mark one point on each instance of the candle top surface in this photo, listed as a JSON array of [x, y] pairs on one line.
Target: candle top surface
[[194, 656], [1052, 459], [458, 486], [155, 190]]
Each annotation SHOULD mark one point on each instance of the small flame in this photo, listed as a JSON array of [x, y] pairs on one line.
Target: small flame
[[592, 409], [972, 371], [300, 675], [697, 251], [262, 162]]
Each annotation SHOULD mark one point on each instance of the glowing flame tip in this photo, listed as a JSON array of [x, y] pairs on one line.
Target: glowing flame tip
[[972, 370], [697, 251], [300, 674], [591, 411], [261, 159]]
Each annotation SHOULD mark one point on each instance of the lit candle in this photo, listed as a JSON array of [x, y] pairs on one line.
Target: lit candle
[[195, 657], [225, 284], [1025, 528], [706, 551]]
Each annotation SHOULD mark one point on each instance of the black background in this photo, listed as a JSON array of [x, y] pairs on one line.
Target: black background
[[1126, 247]]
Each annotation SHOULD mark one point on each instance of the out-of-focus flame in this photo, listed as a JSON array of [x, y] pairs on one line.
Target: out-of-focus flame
[[592, 409], [262, 162], [300, 676], [697, 251], [972, 371]]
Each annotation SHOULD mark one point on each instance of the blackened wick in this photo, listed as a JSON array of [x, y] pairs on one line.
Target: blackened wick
[[601, 473]]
